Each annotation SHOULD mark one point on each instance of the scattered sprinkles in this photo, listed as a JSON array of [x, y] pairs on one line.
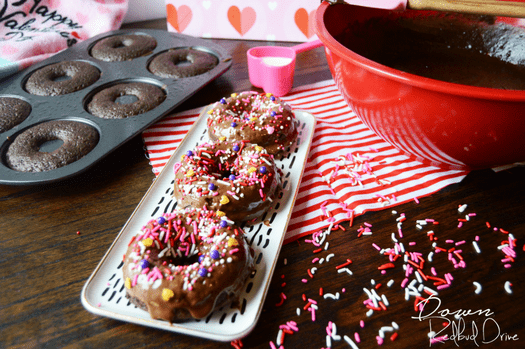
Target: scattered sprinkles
[[420, 280]]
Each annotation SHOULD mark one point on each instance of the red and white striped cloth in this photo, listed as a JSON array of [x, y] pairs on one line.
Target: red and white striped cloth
[[349, 171]]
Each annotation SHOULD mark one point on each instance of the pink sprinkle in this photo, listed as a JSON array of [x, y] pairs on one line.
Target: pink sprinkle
[[433, 271], [304, 281], [449, 241], [315, 260], [404, 282], [460, 242], [368, 225], [507, 265], [440, 287], [379, 340], [234, 250], [376, 247], [412, 243], [416, 200], [356, 336], [312, 310], [272, 345]]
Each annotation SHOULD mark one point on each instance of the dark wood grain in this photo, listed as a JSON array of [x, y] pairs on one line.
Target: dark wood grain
[[44, 262]]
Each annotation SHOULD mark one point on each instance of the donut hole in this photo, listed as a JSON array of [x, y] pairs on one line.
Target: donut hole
[[122, 43], [185, 260], [61, 77], [126, 99], [50, 145], [183, 62]]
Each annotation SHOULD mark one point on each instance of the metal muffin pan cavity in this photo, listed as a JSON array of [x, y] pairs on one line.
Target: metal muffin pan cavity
[[74, 106]]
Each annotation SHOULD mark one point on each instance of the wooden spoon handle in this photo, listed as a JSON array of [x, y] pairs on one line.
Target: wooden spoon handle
[[482, 7]]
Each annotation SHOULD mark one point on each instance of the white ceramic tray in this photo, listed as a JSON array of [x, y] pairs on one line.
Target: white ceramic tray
[[104, 292]]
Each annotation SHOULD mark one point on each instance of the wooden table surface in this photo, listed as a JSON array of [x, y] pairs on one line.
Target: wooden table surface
[[44, 262]]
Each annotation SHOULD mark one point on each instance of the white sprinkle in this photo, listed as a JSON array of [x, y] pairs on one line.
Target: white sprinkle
[[343, 270], [313, 270], [462, 208], [390, 283], [428, 289], [476, 247], [331, 296], [298, 311], [387, 329], [370, 312], [395, 325], [279, 335], [350, 342], [419, 278], [329, 256], [385, 300], [328, 341], [508, 287], [430, 256], [478, 287]]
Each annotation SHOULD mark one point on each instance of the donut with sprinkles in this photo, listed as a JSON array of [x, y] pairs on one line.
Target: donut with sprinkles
[[238, 179], [262, 119], [184, 264]]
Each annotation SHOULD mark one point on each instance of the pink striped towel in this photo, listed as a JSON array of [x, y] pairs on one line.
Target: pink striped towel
[[350, 170]]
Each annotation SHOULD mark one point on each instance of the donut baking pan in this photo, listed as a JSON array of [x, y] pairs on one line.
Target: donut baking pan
[[104, 292], [74, 106]]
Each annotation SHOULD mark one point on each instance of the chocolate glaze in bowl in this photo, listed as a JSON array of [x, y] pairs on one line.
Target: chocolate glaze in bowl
[[448, 124]]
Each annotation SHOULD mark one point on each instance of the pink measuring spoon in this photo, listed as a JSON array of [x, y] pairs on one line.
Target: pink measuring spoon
[[272, 67]]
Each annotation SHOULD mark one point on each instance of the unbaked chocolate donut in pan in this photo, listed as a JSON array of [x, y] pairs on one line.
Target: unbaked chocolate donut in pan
[[180, 63], [12, 112], [62, 78], [24, 153], [119, 48], [105, 103]]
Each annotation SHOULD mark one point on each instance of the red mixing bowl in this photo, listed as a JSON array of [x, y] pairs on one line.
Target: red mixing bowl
[[450, 125]]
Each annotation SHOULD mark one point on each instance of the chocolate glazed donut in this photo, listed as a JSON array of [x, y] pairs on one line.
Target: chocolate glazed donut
[[24, 153], [170, 63], [183, 265], [104, 104], [47, 81], [123, 47]]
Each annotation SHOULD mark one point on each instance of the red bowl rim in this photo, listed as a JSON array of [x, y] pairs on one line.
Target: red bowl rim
[[406, 78]]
